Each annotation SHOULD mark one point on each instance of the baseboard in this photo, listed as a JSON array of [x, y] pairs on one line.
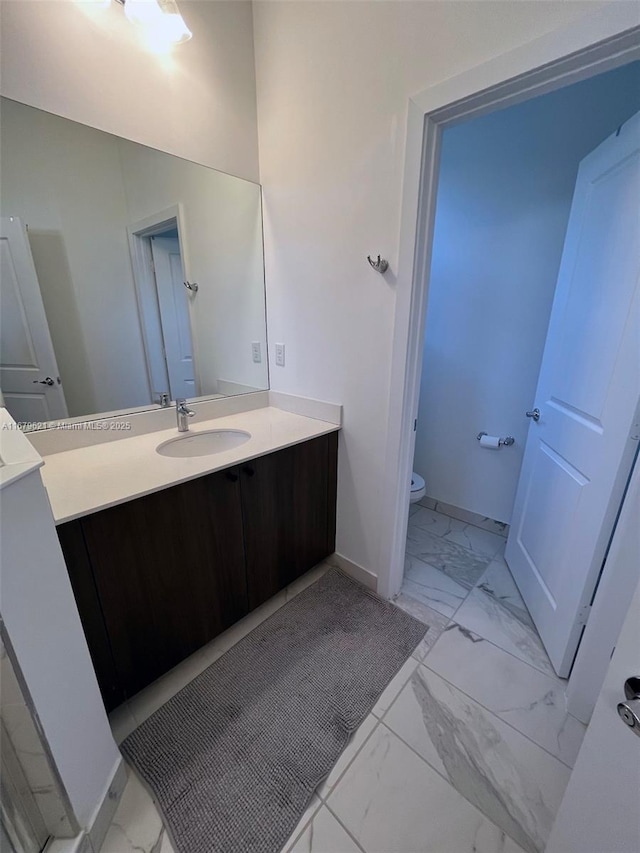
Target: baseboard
[[481, 521], [364, 576]]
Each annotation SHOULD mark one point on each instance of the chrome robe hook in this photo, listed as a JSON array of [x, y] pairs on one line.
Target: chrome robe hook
[[380, 265]]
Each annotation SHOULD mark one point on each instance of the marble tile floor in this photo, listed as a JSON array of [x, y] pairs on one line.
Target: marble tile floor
[[470, 746], [484, 707]]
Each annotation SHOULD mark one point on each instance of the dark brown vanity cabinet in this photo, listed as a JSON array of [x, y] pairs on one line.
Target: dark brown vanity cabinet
[[169, 573], [288, 507], [158, 577]]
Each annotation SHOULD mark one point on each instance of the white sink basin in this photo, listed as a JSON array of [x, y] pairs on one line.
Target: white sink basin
[[203, 443]]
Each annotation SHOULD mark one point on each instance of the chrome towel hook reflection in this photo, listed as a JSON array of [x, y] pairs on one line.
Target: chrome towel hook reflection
[[193, 287], [380, 265]]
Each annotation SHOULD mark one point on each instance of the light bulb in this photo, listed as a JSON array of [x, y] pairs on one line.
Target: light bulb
[[173, 22], [160, 18], [145, 13]]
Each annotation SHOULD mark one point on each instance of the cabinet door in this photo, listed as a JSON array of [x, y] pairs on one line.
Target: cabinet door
[[288, 508], [84, 589], [169, 570]]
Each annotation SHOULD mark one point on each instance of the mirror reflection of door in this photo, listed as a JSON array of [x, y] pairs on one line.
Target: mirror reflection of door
[[29, 377], [164, 305], [174, 316]]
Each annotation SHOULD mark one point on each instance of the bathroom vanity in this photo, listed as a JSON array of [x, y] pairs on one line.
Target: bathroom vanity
[[165, 547], [167, 568]]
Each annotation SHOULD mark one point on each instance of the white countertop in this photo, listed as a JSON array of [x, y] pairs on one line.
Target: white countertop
[[17, 456], [87, 479]]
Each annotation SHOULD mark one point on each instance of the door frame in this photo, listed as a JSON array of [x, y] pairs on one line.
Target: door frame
[[596, 43], [174, 310], [145, 282]]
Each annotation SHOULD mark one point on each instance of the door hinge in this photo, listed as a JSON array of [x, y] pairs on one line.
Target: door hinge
[[415, 424], [583, 614]]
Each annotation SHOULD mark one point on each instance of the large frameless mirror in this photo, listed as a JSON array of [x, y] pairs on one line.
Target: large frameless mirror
[[129, 277]]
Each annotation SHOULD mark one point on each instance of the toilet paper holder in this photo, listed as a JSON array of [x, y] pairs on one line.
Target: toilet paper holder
[[507, 441]]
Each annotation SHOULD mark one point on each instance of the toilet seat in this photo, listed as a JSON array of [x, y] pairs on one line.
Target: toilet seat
[[418, 488]]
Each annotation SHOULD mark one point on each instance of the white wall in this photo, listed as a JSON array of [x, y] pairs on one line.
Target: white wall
[[84, 61], [334, 81], [504, 196]]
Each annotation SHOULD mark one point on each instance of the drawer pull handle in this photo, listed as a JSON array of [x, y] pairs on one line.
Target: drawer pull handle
[[249, 471], [232, 476]]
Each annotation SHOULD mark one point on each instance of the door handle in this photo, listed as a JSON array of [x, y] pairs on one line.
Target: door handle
[[534, 413], [48, 381], [629, 711], [248, 470], [632, 687]]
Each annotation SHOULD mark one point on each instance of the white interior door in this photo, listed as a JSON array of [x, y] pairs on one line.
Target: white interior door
[[174, 316], [579, 454], [29, 376]]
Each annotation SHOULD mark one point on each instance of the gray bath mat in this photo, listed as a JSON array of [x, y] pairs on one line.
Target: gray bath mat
[[234, 758]]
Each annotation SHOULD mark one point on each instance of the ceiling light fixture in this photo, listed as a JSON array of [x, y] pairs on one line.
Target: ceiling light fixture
[[159, 18]]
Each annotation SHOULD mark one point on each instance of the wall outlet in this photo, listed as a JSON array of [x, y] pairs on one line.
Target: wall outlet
[[256, 352], [280, 355]]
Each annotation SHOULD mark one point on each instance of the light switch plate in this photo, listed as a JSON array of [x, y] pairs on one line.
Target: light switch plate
[[280, 355], [256, 352]]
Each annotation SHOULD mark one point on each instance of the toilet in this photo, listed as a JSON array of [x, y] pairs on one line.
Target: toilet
[[418, 490]]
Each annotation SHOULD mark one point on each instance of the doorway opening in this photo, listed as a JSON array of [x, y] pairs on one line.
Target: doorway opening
[[164, 303], [499, 84], [505, 190]]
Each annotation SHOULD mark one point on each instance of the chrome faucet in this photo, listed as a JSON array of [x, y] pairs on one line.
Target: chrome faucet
[[183, 412]]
